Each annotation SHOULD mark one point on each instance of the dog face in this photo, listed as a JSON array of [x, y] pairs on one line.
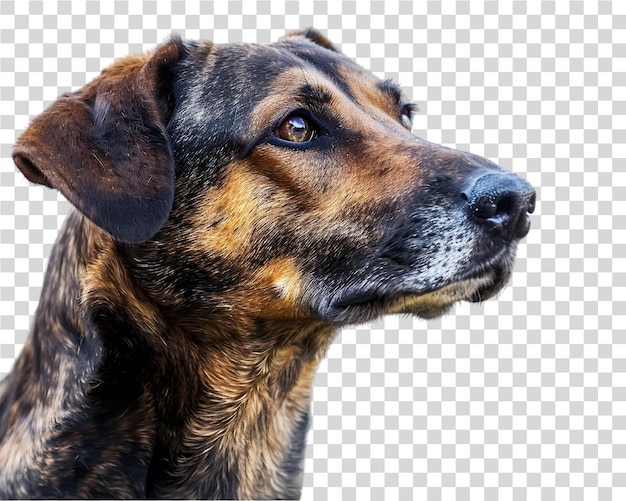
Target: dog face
[[282, 181]]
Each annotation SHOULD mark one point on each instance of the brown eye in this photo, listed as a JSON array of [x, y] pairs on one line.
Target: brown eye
[[296, 129]]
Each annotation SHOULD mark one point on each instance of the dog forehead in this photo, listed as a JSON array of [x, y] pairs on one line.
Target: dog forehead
[[310, 74], [323, 66], [246, 73]]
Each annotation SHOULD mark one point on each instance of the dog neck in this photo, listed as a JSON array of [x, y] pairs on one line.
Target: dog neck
[[203, 385]]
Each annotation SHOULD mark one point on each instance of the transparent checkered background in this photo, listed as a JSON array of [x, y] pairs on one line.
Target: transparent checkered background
[[523, 397]]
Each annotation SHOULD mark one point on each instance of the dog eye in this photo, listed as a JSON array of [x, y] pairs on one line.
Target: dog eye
[[296, 129], [407, 115]]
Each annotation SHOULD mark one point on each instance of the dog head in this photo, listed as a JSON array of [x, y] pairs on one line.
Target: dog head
[[283, 179]]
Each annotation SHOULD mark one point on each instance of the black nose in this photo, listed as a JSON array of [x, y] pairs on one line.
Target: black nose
[[503, 201]]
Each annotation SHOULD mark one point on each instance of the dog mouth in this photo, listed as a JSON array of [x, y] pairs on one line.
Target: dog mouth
[[365, 304]]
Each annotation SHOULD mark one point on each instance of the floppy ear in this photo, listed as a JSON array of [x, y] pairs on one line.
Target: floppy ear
[[313, 35], [105, 146]]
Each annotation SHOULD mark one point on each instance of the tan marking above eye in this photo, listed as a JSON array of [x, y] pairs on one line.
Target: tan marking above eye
[[296, 129]]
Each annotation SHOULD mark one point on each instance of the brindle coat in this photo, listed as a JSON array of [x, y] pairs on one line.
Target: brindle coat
[[236, 205]]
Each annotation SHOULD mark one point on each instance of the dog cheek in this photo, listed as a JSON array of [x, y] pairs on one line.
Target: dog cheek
[[280, 281]]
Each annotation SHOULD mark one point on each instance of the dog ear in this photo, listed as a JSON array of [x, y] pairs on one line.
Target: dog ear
[[105, 146], [313, 35]]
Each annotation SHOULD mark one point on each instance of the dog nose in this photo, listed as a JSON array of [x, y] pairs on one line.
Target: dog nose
[[502, 200]]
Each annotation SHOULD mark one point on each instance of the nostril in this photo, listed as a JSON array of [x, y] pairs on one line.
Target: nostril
[[484, 210], [505, 207], [495, 208]]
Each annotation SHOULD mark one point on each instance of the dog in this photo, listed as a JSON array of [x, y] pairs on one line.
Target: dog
[[235, 205]]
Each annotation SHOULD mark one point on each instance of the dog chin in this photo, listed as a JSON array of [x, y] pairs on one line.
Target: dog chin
[[367, 306], [439, 302]]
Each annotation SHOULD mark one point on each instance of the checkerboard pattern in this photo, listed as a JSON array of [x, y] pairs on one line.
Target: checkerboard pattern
[[523, 397]]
